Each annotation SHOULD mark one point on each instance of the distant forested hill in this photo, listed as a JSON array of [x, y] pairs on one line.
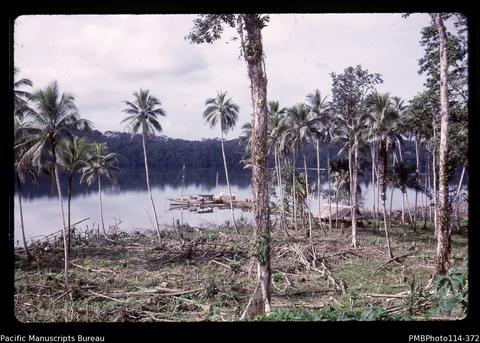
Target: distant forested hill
[[172, 153]]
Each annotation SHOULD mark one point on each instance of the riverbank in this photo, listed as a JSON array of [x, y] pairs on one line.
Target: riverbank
[[208, 275]]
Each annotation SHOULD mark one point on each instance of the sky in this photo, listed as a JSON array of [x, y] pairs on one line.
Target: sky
[[103, 59]]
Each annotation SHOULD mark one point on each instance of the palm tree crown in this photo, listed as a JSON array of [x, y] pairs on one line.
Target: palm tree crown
[[100, 163], [221, 110], [143, 113]]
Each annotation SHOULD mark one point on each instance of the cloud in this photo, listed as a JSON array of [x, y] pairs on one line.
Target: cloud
[[102, 60]]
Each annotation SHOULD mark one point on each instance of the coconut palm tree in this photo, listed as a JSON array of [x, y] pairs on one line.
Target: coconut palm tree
[[403, 177], [382, 116], [319, 109], [53, 119], [143, 115], [22, 170], [21, 96], [73, 158], [276, 129], [298, 134], [100, 163], [221, 110]]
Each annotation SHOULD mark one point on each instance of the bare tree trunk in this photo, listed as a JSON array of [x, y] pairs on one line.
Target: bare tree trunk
[[65, 243], [308, 196], [25, 245], [374, 214], [382, 179], [403, 208], [149, 189], [319, 193], [69, 212], [329, 188], [417, 176], [294, 193], [444, 230], [228, 185], [100, 204], [259, 303], [354, 206], [282, 196], [279, 192]]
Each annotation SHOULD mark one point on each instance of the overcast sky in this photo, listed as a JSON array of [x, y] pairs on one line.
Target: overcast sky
[[102, 60]]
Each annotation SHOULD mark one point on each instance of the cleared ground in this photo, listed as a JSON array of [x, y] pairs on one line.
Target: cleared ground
[[209, 275]]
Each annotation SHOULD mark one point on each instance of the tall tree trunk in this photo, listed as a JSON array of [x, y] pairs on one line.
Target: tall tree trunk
[[329, 188], [282, 196], [64, 228], [307, 193], [417, 178], [100, 203], [354, 206], [69, 212], [259, 303], [279, 192], [294, 192], [382, 179], [319, 193], [149, 189], [25, 245], [434, 174], [374, 213], [444, 231], [228, 185]]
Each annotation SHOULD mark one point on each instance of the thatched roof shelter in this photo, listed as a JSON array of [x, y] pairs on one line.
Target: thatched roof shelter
[[344, 213]]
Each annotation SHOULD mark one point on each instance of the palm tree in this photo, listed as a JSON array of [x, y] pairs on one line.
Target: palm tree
[[73, 158], [351, 130], [21, 96], [382, 117], [223, 111], [300, 124], [143, 115], [403, 179], [100, 163], [276, 129], [318, 107], [54, 119], [22, 170]]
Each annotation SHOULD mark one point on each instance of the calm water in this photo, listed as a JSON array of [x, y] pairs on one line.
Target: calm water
[[128, 202]]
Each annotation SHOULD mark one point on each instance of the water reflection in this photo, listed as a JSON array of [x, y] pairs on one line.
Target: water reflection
[[127, 202]]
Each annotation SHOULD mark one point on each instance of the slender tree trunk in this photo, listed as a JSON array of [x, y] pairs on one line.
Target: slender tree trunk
[[279, 192], [444, 230], [282, 196], [228, 185], [149, 189], [354, 196], [417, 178], [336, 214], [374, 213], [319, 193], [25, 245], [308, 196], [382, 179], [294, 192], [403, 208], [69, 212], [65, 243], [259, 303], [409, 212], [100, 203], [329, 188]]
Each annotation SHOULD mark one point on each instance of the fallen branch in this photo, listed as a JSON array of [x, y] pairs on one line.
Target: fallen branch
[[394, 259]]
